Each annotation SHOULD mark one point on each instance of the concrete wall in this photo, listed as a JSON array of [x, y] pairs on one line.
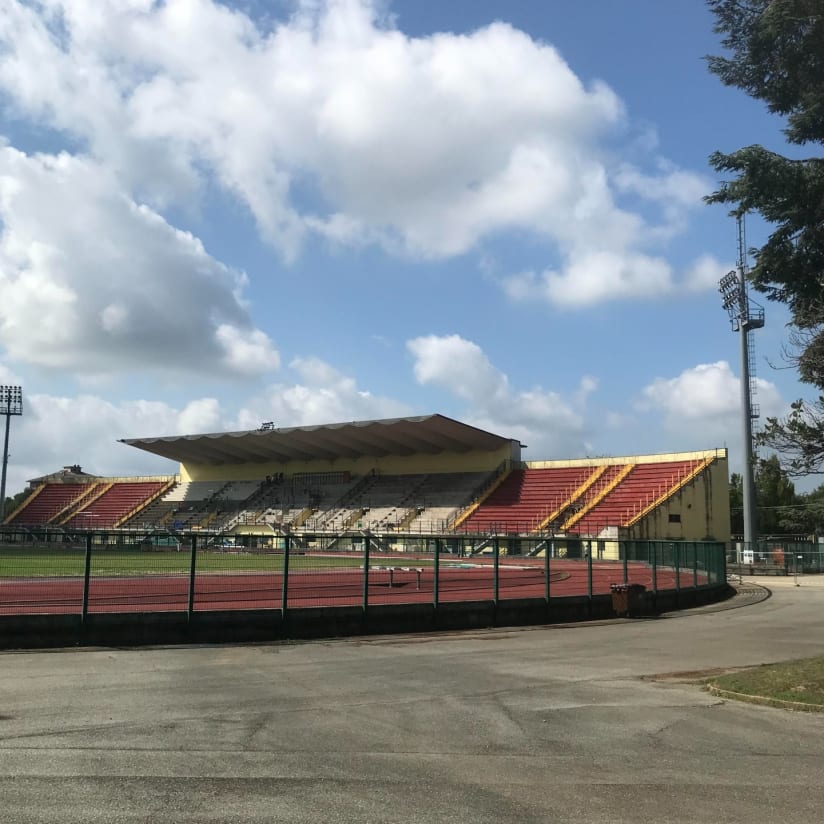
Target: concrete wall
[[136, 629], [699, 511]]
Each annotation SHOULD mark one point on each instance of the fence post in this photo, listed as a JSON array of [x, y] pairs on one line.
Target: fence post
[[589, 575], [436, 573], [495, 568], [192, 571], [284, 582], [87, 571], [624, 545], [547, 550], [723, 565], [365, 573], [677, 564], [694, 565], [655, 571]]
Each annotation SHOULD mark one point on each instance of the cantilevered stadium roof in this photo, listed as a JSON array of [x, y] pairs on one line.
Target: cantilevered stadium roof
[[428, 434]]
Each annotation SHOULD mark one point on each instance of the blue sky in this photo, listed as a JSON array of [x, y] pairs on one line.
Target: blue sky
[[215, 214]]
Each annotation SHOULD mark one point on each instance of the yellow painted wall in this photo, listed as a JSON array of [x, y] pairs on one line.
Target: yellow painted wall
[[703, 505], [389, 465]]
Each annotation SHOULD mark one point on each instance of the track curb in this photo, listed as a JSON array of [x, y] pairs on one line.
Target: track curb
[[763, 700]]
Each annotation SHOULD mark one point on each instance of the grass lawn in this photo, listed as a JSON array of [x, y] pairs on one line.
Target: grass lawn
[[800, 682], [31, 562]]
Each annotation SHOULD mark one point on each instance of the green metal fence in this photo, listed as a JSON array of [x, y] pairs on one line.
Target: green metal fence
[[87, 572], [776, 557]]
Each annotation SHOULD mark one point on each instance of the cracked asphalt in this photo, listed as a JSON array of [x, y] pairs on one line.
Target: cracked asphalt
[[527, 725]]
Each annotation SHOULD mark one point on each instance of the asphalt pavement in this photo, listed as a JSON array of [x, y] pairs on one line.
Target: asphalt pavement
[[561, 723]]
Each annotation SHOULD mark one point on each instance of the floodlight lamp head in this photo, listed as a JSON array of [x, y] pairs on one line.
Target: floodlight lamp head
[[11, 400], [731, 295]]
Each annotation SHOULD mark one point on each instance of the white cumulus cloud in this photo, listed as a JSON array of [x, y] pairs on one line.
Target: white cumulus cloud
[[598, 276], [543, 419], [94, 282], [56, 431], [321, 394], [704, 402], [705, 273], [334, 122]]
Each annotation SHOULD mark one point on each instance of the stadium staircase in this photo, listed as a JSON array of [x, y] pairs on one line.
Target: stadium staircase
[[93, 493], [405, 522], [143, 505], [635, 492], [477, 549], [26, 502], [112, 503], [345, 505], [205, 521], [357, 515], [572, 500], [597, 492], [482, 495], [438, 498], [498, 505], [304, 516], [159, 512], [526, 498], [684, 474]]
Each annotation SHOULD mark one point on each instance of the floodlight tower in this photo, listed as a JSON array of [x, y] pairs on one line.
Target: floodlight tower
[[11, 403], [745, 316]]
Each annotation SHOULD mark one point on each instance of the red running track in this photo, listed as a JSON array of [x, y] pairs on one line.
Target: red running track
[[470, 581]]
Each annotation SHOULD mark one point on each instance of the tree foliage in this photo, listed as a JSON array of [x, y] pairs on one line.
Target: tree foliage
[[776, 54], [806, 517], [13, 501], [776, 496], [780, 510], [799, 437]]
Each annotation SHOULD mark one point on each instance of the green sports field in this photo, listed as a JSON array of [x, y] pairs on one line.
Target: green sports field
[[16, 562]]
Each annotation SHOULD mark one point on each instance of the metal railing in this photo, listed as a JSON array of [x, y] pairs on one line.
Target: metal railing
[[776, 557], [50, 571]]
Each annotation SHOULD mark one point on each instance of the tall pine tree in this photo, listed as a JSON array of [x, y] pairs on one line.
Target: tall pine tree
[[776, 54]]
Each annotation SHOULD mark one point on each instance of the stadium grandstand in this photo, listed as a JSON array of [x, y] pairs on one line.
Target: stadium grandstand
[[415, 475]]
